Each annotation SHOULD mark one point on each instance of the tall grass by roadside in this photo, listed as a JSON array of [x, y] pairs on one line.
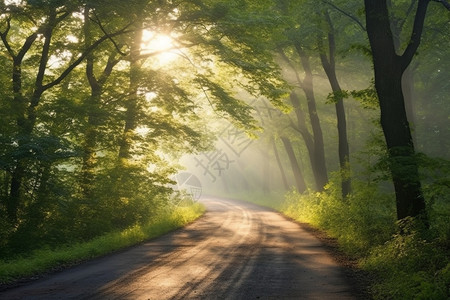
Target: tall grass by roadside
[[44, 260]]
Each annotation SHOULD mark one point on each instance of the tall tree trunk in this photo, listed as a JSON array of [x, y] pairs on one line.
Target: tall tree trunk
[[132, 103], [397, 27], [93, 109], [25, 108], [389, 68], [266, 174], [329, 66], [280, 165], [299, 180], [91, 106], [314, 143], [408, 93]]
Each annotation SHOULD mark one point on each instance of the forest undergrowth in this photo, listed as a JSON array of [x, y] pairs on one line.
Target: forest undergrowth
[[407, 259], [47, 259]]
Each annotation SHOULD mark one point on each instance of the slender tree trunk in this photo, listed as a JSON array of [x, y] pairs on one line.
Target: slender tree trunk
[[329, 66], [132, 103], [343, 146], [92, 107], [397, 26], [25, 108], [266, 174], [408, 93], [280, 166], [299, 180], [315, 146], [93, 110], [389, 68]]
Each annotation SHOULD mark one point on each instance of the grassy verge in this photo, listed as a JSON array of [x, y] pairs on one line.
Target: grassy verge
[[44, 260]]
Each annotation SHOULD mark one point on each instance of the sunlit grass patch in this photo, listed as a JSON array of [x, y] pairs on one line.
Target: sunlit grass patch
[[360, 222], [46, 259]]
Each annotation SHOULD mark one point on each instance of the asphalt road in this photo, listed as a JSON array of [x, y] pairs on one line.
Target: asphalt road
[[235, 251]]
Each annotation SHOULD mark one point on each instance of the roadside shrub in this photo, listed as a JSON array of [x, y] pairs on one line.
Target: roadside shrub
[[411, 267], [366, 218]]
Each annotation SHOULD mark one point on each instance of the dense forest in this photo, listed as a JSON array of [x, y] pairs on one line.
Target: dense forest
[[339, 105]]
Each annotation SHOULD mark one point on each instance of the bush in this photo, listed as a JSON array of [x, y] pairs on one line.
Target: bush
[[411, 267], [410, 260], [366, 218]]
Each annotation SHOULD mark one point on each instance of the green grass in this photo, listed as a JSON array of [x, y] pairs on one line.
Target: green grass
[[44, 260]]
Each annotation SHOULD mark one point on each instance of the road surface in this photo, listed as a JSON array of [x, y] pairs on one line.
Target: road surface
[[236, 250]]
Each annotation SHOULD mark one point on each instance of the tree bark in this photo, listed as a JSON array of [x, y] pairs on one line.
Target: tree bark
[[317, 151], [299, 180], [329, 66], [131, 104], [280, 166], [408, 93], [25, 108], [93, 109], [389, 68], [91, 105]]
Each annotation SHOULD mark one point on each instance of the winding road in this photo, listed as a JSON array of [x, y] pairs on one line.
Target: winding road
[[236, 250]]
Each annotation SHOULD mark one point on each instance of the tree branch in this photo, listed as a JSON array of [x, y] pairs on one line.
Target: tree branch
[[289, 62], [355, 19], [98, 22], [83, 56], [112, 61], [443, 2], [331, 40], [416, 34], [5, 40], [48, 32], [26, 46]]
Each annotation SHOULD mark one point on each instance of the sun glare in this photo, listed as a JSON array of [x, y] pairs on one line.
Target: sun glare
[[161, 45], [13, 2]]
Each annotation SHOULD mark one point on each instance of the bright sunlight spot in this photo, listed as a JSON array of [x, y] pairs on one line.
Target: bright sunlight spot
[[161, 45], [14, 2]]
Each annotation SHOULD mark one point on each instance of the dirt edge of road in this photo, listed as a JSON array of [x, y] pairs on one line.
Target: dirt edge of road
[[359, 279], [64, 266]]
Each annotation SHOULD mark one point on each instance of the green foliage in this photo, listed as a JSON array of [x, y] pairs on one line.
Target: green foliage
[[90, 132], [367, 97], [337, 96], [359, 223], [412, 267], [238, 33], [436, 186], [223, 102]]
